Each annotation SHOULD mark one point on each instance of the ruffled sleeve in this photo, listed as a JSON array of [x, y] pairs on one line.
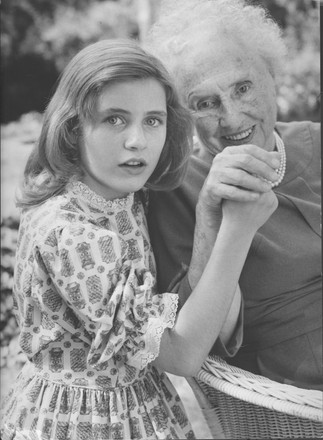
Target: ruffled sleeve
[[85, 282]]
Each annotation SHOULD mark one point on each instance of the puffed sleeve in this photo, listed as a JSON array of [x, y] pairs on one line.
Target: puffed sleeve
[[101, 296]]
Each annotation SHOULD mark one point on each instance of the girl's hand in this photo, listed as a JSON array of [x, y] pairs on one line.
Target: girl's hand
[[250, 216]]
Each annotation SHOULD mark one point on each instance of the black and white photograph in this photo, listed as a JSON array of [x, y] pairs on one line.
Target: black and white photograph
[[161, 252]]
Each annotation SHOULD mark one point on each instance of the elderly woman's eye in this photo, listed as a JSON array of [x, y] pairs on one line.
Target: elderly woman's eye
[[206, 105], [243, 88]]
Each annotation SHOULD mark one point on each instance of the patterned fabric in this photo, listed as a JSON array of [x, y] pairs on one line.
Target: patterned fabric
[[91, 323]]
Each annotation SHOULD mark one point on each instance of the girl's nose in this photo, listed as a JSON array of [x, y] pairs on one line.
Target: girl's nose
[[136, 139]]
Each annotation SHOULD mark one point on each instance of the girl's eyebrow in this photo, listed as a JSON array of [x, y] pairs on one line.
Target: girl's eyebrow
[[161, 113], [157, 112], [114, 110]]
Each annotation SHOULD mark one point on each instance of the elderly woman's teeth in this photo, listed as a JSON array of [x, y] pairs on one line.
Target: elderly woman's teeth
[[238, 137]]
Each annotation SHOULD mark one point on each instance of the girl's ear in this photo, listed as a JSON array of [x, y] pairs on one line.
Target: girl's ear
[[74, 135], [72, 132]]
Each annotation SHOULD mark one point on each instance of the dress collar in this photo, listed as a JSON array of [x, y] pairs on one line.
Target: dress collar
[[80, 189]]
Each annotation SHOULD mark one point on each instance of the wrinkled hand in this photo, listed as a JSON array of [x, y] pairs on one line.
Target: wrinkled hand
[[250, 216], [238, 173]]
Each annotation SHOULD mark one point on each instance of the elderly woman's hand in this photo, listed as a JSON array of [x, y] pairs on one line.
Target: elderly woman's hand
[[250, 216], [239, 173]]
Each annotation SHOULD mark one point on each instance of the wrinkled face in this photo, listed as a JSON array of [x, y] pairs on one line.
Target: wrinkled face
[[232, 96], [121, 145]]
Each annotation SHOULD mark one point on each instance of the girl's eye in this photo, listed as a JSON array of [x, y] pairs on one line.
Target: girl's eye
[[115, 120], [154, 122]]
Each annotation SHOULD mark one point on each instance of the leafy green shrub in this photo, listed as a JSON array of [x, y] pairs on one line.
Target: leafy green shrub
[[10, 351], [40, 36], [299, 91]]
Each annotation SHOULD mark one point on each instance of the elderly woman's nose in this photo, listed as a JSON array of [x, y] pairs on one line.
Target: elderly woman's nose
[[230, 114]]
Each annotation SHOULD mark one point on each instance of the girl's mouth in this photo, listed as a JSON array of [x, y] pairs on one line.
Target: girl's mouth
[[134, 163]]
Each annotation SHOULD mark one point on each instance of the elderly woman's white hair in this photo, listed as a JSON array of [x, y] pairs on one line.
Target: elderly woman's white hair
[[184, 24]]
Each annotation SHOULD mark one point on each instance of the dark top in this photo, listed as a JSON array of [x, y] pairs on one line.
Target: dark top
[[281, 279]]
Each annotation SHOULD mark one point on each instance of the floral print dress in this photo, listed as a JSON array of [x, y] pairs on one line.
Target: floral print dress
[[91, 323]]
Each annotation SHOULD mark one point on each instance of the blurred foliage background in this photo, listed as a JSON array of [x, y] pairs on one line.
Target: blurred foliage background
[[38, 38]]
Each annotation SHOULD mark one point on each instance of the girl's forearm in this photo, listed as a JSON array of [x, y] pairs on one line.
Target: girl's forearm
[[200, 320], [206, 231]]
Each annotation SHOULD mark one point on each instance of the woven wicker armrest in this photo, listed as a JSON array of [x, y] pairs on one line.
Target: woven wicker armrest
[[245, 405]]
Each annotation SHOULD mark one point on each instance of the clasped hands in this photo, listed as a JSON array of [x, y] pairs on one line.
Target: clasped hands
[[237, 185]]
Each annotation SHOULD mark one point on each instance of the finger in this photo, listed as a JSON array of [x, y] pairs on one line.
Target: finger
[[236, 193], [271, 158], [243, 179], [247, 163]]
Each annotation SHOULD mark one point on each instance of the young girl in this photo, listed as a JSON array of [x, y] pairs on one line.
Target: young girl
[[96, 333]]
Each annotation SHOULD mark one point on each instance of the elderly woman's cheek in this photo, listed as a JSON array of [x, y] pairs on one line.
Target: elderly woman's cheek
[[207, 131]]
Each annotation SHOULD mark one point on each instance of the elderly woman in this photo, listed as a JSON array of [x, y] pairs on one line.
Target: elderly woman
[[225, 57]]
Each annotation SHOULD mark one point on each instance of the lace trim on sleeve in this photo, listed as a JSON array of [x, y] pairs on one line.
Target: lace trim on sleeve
[[155, 330]]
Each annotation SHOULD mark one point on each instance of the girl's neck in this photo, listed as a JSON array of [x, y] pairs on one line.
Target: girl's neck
[[99, 189]]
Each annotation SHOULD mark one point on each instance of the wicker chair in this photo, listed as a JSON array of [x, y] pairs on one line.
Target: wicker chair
[[242, 405]]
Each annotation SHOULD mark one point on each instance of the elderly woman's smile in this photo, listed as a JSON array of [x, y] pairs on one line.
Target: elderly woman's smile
[[243, 136]]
